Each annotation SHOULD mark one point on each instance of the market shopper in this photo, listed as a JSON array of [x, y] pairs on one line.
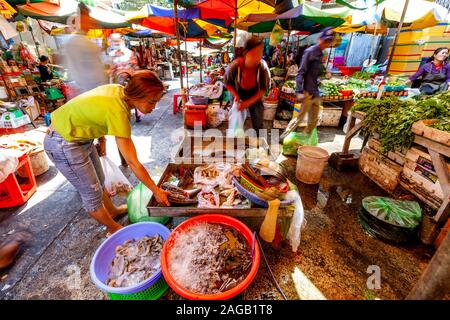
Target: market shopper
[[435, 73], [105, 110], [44, 69], [308, 75], [248, 78]]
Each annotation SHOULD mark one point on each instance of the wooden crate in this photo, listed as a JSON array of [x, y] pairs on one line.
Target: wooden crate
[[183, 211], [396, 156], [409, 181], [383, 171], [202, 149], [422, 128]]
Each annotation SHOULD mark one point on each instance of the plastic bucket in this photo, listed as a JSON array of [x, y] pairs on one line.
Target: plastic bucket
[[211, 218], [105, 254], [311, 161], [270, 109]]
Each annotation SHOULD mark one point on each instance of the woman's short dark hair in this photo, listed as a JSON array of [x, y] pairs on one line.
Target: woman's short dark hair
[[436, 52], [43, 58], [143, 84], [252, 43]]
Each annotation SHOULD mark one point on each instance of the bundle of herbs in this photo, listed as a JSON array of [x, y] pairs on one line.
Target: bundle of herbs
[[392, 118]]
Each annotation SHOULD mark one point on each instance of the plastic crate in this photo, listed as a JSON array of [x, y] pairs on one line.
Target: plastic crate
[[9, 121]]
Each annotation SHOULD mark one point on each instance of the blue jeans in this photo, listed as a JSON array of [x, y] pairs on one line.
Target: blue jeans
[[80, 165]]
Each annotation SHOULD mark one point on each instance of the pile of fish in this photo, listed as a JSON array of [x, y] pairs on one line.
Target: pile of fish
[[135, 261], [177, 195], [209, 258]]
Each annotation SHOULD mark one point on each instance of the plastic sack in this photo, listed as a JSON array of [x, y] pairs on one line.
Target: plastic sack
[[115, 181], [137, 201], [294, 233], [297, 139], [8, 165], [401, 213], [208, 198], [236, 121], [214, 115], [53, 94], [277, 34]]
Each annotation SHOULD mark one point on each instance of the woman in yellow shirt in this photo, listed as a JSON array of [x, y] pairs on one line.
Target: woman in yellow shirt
[[102, 111]]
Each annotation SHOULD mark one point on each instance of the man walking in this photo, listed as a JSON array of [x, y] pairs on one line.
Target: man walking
[[311, 67]]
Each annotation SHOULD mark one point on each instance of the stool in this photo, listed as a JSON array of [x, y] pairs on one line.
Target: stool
[[12, 193], [177, 108]]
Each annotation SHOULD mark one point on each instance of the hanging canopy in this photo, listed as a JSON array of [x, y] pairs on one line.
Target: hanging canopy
[[99, 18], [419, 15], [294, 19], [229, 9], [189, 26], [50, 12]]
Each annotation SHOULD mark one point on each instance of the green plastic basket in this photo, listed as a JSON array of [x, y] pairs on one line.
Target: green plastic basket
[[154, 292]]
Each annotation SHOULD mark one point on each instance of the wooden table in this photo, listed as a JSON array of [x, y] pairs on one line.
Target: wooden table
[[438, 152], [353, 129]]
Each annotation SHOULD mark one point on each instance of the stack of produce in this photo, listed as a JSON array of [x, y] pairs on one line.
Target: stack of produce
[[392, 118]]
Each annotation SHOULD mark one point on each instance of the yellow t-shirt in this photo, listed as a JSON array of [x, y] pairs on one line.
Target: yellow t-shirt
[[93, 114]]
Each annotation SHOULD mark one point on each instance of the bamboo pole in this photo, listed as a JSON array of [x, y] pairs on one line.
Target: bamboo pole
[[186, 60], [235, 29], [201, 63], [405, 8], [287, 44], [175, 13]]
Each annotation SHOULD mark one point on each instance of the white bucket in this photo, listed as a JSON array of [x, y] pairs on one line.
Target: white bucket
[[270, 109], [311, 162]]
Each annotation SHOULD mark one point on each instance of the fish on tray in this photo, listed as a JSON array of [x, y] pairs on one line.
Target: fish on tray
[[178, 195]]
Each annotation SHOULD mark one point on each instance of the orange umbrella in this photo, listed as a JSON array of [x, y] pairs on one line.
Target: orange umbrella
[[6, 9]]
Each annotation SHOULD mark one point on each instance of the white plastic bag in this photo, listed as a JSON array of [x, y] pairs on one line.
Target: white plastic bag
[[115, 181], [236, 121], [8, 165], [294, 233]]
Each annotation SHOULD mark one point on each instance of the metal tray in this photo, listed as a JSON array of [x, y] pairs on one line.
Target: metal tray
[[204, 149], [185, 211]]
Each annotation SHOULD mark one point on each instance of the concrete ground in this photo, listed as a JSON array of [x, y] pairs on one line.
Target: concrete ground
[[332, 262]]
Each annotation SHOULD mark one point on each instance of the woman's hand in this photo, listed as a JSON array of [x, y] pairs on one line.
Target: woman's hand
[[161, 197], [244, 105]]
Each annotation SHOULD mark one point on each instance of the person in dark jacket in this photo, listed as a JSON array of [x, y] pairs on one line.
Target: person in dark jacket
[[44, 69], [435, 74], [308, 75]]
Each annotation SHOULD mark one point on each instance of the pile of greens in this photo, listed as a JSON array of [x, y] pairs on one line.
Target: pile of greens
[[443, 125], [393, 118]]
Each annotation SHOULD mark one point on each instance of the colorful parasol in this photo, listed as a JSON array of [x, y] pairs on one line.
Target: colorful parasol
[[6, 10]]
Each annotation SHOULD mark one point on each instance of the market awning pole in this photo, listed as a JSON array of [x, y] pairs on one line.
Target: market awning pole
[[175, 14], [433, 284], [235, 30], [201, 63], [287, 45], [405, 8], [186, 59]]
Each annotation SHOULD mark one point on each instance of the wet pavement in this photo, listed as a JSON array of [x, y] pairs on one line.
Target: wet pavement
[[334, 256]]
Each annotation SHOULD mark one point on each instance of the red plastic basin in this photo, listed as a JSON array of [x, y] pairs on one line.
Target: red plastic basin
[[210, 218]]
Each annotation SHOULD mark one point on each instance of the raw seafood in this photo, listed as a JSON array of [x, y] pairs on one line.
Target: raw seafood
[[216, 174], [177, 195], [208, 198], [234, 199], [209, 258], [135, 261]]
